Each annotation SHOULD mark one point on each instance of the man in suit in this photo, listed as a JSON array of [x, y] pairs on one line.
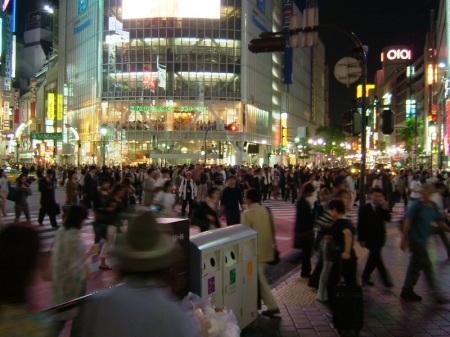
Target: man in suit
[[372, 235], [47, 187], [90, 185]]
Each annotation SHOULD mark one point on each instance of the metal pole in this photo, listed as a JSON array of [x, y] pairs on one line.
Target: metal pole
[[362, 182], [103, 151]]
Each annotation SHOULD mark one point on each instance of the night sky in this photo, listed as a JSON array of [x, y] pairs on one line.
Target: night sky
[[377, 24]]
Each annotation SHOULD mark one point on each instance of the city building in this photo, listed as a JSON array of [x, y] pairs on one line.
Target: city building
[[172, 82]]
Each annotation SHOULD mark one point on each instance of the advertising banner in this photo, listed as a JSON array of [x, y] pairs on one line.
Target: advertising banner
[[16, 105], [51, 106]]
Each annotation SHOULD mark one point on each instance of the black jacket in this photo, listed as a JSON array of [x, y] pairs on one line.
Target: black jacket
[[371, 225], [47, 189]]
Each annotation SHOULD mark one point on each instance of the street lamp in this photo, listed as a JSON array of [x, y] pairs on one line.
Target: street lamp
[[103, 132]]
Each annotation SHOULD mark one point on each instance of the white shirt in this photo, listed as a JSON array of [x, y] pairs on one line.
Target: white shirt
[[415, 187]]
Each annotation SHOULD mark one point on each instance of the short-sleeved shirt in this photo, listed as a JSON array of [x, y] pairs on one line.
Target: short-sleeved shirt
[[421, 217]]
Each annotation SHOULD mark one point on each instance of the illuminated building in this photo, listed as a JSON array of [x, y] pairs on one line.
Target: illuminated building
[[399, 87], [160, 74]]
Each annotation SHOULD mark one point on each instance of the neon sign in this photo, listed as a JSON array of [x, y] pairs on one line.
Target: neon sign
[[397, 54]]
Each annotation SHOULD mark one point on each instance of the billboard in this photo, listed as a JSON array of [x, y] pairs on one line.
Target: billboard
[[199, 9]]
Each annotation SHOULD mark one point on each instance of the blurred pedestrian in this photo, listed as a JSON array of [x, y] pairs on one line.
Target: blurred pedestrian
[[145, 255], [19, 250], [3, 191], [72, 189], [68, 262], [47, 186], [165, 199], [206, 216], [417, 228], [21, 203], [306, 213], [260, 219]]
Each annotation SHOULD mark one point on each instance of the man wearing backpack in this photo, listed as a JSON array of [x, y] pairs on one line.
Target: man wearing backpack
[[417, 228]]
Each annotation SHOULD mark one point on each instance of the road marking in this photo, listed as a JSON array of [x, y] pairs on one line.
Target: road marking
[[283, 238]]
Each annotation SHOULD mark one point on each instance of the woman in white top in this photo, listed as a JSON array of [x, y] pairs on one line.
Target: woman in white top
[[166, 200], [415, 188]]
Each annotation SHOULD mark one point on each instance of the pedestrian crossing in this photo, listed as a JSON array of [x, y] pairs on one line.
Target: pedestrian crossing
[[282, 211]]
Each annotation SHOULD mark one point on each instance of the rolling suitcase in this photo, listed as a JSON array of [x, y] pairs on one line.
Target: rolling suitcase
[[348, 310]]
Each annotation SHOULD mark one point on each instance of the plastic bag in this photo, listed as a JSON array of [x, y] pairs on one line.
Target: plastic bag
[[215, 322]]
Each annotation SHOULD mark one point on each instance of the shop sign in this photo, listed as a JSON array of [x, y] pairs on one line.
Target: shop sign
[[151, 108], [46, 135]]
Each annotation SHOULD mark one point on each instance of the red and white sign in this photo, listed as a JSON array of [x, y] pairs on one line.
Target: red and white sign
[[16, 104], [33, 88]]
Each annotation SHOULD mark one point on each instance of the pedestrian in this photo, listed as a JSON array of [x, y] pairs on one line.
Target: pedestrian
[[417, 228], [149, 186], [415, 187], [306, 213], [47, 187], [68, 262], [19, 252], [145, 255], [140, 176], [110, 219], [188, 193], [372, 220], [260, 219], [3, 191], [72, 189], [21, 203], [206, 216], [90, 186], [343, 256], [165, 201], [266, 183], [276, 184], [438, 198], [231, 202]]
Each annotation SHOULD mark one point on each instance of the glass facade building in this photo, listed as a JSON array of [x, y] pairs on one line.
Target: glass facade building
[[167, 88]]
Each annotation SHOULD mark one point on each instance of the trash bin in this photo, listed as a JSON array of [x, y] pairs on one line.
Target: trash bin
[[223, 264]]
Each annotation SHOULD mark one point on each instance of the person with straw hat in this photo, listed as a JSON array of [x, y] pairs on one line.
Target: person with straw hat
[[143, 305]]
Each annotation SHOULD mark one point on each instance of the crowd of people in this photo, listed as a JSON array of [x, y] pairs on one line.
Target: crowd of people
[[323, 200]]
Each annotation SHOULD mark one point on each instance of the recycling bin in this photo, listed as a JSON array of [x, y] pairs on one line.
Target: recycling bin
[[223, 264]]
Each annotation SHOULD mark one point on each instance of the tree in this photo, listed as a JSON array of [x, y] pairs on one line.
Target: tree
[[332, 137]]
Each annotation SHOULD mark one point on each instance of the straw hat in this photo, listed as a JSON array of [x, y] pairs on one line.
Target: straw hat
[[144, 247]]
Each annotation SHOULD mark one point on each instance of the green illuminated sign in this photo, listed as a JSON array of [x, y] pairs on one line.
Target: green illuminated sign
[[46, 135], [151, 108]]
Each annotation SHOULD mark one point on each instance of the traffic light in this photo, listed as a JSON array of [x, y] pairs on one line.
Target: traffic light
[[267, 44], [387, 122], [233, 127], [352, 122]]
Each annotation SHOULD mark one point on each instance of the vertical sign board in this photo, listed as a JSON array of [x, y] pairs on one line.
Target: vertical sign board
[[5, 115], [51, 106], [16, 105], [33, 88], [59, 108], [287, 12]]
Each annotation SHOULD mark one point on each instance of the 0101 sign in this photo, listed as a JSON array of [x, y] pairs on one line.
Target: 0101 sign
[[397, 54]]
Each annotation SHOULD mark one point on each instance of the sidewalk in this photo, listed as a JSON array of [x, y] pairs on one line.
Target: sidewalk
[[385, 313]]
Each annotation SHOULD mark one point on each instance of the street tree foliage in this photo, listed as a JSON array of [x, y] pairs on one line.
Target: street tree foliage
[[333, 137], [407, 133]]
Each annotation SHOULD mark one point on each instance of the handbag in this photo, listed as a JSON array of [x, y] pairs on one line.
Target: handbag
[[276, 252], [12, 195]]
